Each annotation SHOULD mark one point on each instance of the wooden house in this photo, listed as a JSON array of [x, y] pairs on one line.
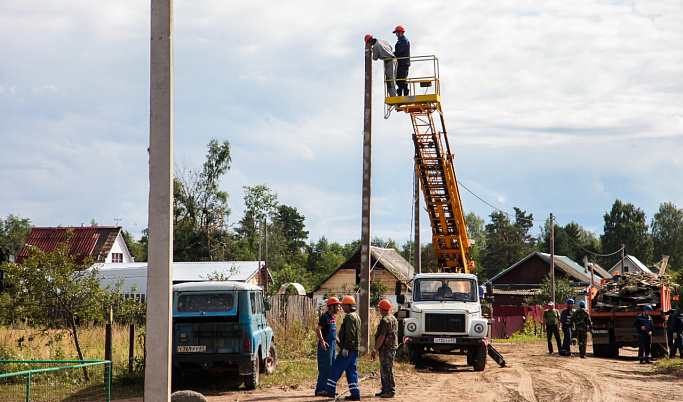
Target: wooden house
[[387, 267]]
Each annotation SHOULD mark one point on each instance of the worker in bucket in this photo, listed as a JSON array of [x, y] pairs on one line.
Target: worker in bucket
[[551, 319], [381, 49], [566, 321], [402, 53], [327, 338], [581, 321], [644, 325], [347, 358], [386, 342]]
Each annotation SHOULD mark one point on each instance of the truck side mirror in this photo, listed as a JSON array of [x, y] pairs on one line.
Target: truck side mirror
[[266, 304], [400, 299], [399, 287]]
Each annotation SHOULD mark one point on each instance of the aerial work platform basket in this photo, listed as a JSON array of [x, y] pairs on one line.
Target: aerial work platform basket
[[424, 86]]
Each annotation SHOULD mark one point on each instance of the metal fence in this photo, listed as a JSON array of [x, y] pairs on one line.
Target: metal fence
[[55, 380]]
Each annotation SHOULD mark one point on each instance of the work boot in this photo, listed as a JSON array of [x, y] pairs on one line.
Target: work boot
[[647, 361], [388, 395], [326, 394], [380, 393], [582, 356], [352, 398]]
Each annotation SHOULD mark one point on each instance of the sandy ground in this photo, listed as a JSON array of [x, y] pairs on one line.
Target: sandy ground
[[530, 375]]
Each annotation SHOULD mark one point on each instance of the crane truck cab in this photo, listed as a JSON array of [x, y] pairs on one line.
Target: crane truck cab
[[445, 317]]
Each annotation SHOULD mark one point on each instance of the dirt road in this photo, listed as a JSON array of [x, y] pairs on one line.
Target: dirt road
[[530, 375]]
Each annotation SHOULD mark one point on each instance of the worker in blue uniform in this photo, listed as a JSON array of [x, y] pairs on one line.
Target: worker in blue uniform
[[327, 339], [347, 358], [566, 321], [644, 325], [402, 53]]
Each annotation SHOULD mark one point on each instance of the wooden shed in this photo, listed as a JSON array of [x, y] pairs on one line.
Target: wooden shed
[[387, 266]]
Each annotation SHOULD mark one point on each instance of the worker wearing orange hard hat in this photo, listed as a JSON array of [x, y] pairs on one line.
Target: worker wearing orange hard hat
[[327, 339], [347, 358], [386, 343], [381, 49], [402, 54]]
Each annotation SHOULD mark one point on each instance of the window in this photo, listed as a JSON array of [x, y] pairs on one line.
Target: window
[[116, 257], [252, 297], [445, 289], [205, 302]]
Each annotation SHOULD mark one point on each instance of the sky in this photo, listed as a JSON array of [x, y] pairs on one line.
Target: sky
[[551, 107]]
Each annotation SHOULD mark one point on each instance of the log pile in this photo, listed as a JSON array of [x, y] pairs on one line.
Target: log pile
[[629, 292]]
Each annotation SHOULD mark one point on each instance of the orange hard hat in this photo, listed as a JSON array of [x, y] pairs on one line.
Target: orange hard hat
[[384, 304], [399, 28], [332, 300], [348, 300], [367, 38]]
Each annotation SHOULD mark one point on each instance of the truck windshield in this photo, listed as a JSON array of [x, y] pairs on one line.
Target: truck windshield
[[445, 289], [205, 302]]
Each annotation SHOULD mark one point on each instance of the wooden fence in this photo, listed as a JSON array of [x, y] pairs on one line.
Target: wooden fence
[[293, 310]]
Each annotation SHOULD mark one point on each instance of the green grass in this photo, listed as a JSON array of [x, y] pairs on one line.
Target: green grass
[[670, 366]]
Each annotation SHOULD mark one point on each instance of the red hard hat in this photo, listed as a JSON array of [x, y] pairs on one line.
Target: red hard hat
[[367, 38], [348, 300], [399, 28], [332, 300], [385, 304]]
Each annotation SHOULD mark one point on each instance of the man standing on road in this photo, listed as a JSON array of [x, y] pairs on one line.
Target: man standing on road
[[566, 321], [551, 319], [644, 325], [381, 49], [582, 323], [347, 358], [327, 337], [402, 53], [386, 342], [677, 333]]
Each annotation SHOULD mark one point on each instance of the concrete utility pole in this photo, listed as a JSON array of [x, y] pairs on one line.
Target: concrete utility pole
[[552, 258], [364, 302], [160, 254]]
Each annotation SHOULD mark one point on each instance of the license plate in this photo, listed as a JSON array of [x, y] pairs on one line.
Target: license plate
[[445, 340], [185, 349]]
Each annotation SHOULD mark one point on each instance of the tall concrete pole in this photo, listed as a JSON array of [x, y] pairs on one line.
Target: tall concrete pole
[[552, 258], [160, 253], [364, 302]]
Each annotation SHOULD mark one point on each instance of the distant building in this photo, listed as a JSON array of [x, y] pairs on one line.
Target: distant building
[[631, 265], [105, 244], [387, 267], [134, 275]]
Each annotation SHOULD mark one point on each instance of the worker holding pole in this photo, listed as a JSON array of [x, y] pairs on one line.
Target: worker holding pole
[[381, 49], [644, 325]]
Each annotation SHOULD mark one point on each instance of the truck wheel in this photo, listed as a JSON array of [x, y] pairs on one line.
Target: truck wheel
[[598, 350], [269, 364], [415, 354], [251, 380], [471, 356], [480, 361]]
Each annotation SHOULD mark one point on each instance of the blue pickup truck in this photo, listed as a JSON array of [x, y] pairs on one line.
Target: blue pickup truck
[[221, 327]]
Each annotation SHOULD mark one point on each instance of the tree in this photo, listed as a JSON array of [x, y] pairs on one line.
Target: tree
[[290, 224], [323, 259], [13, 233], [260, 204], [667, 234], [563, 291], [138, 249], [572, 241], [625, 224], [476, 232], [506, 242], [53, 291], [200, 208]]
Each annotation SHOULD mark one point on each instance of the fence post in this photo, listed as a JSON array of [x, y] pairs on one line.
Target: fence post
[[107, 344], [131, 347]]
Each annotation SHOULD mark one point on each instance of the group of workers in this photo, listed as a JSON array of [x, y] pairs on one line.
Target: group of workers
[[396, 61], [575, 325], [347, 340]]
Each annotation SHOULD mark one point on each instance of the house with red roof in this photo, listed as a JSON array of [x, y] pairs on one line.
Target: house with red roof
[[105, 244]]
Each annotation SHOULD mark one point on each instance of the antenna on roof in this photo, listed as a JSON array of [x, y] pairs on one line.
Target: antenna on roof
[[117, 220]]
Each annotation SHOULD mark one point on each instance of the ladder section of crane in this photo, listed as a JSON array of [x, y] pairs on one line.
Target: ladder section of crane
[[434, 165]]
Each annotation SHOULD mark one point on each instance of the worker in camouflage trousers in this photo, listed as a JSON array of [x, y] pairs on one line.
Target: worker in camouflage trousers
[[582, 323], [347, 358], [644, 325], [386, 342]]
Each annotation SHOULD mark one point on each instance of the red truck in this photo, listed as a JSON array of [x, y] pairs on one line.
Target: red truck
[[614, 306]]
